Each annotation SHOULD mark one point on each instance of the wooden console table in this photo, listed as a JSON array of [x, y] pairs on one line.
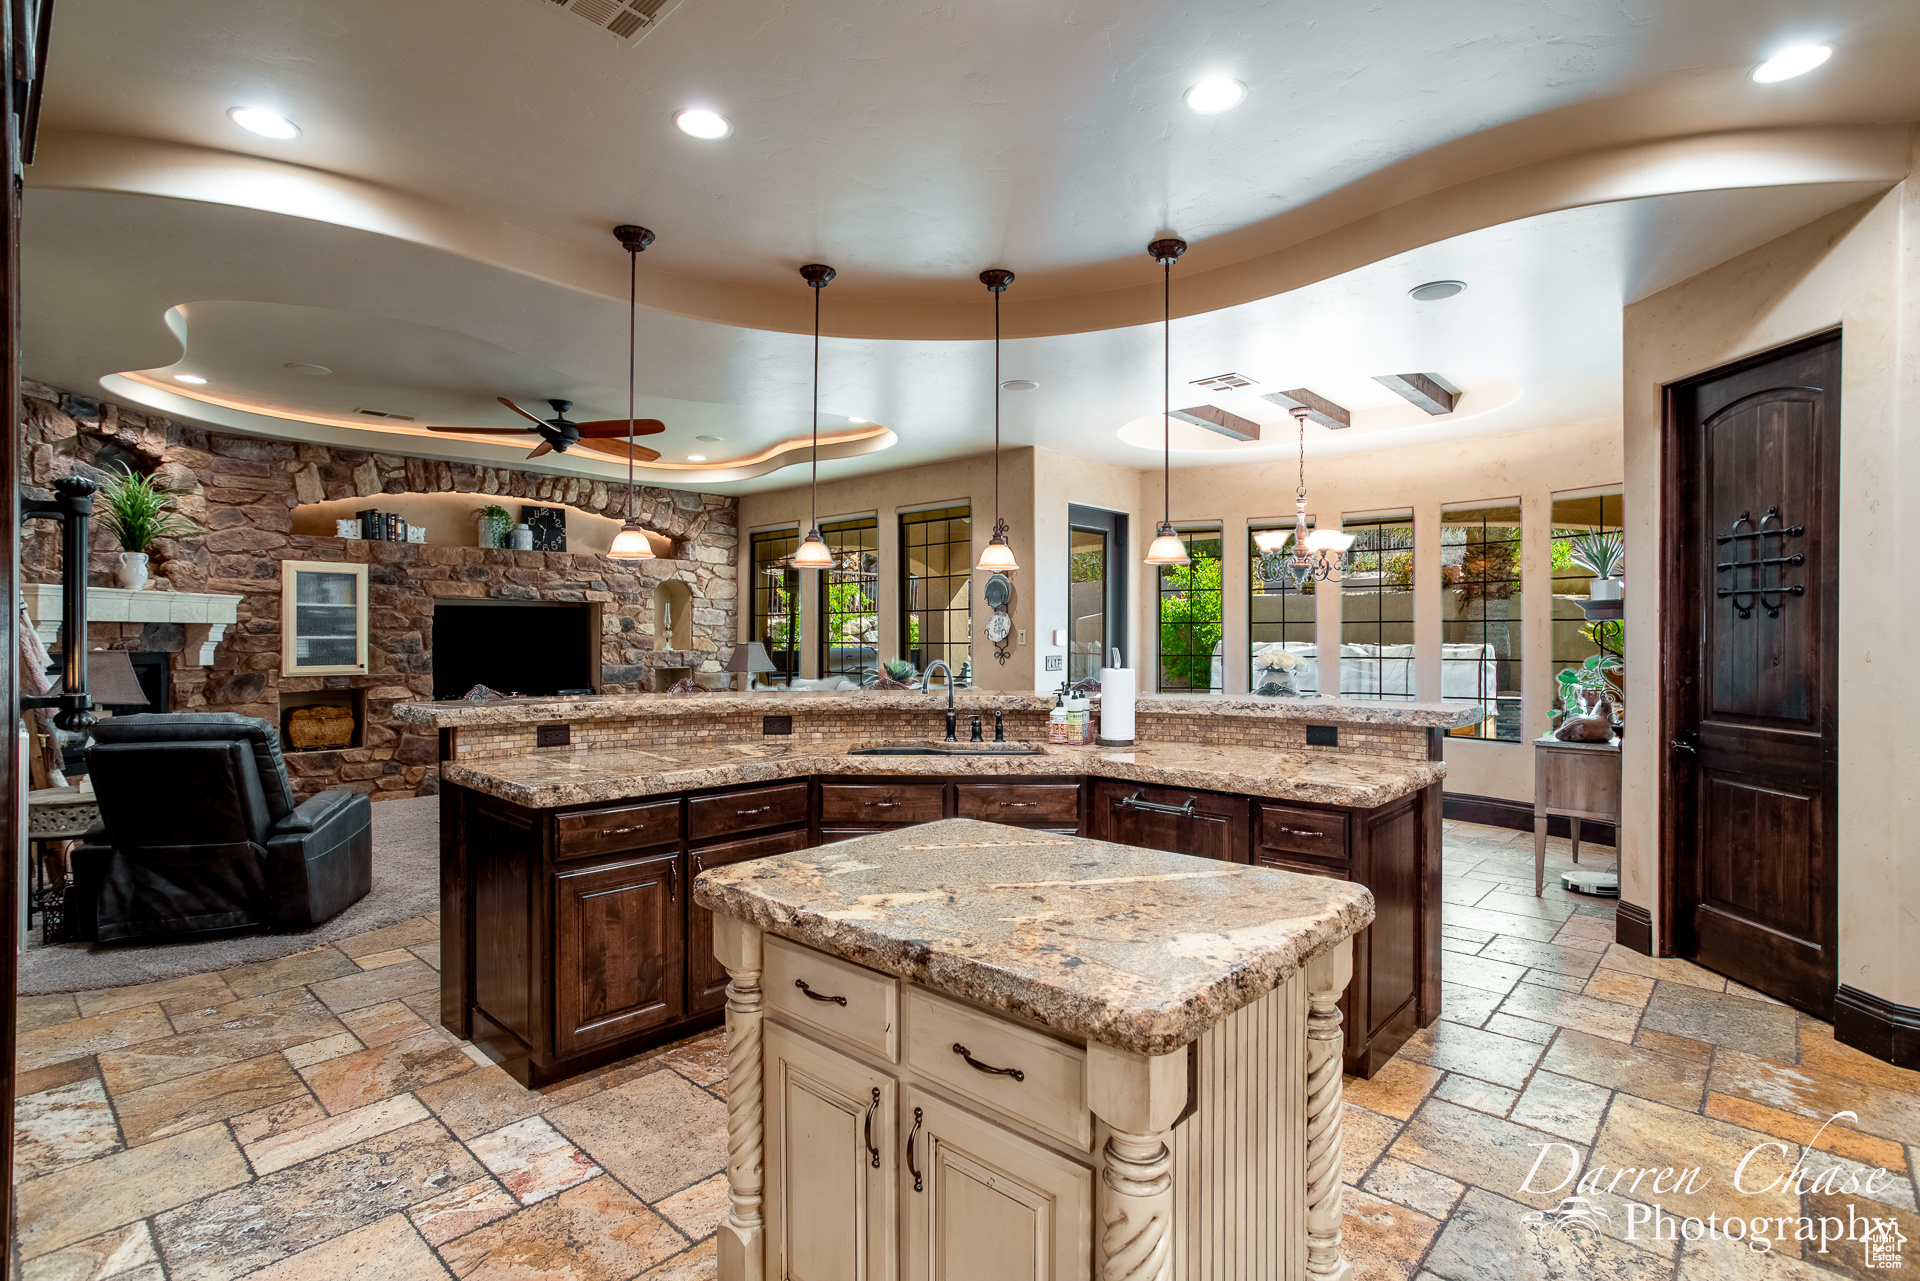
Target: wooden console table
[[1577, 780]]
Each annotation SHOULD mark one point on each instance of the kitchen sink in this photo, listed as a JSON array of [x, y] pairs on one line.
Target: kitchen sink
[[949, 749]]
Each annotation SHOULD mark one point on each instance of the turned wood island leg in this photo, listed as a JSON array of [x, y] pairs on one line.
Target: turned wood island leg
[[742, 1238], [1139, 1096], [1327, 977]]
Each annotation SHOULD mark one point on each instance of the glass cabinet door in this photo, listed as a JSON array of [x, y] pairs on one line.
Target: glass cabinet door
[[323, 618]]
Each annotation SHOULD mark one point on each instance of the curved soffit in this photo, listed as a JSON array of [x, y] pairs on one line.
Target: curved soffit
[[1362, 223]]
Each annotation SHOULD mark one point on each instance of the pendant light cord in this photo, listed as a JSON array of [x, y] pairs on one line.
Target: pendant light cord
[[996, 411], [633, 291], [814, 502], [1166, 395]]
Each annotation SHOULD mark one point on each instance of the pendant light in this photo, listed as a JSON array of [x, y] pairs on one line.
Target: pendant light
[[1167, 547], [997, 556], [1318, 555], [812, 552], [631, 542]]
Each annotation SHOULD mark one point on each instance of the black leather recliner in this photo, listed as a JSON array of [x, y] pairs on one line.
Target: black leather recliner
[[199, 833]]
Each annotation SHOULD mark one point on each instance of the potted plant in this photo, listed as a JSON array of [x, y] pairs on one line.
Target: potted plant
[[496, 525], [135, 512], [1603, 556], [893, 674]]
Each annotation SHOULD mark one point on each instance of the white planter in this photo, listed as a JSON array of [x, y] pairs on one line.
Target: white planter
[[132, 573], [1605, 589]]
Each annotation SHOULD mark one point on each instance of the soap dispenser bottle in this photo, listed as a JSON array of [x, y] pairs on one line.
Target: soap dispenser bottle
[[1057, 721]]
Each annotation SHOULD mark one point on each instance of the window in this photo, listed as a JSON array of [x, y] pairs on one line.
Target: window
[[849, 611], [936, 588], [1376, 608], [1574, 638], [776, 602], [1280, 621], [1480, 618], [1190, 617]]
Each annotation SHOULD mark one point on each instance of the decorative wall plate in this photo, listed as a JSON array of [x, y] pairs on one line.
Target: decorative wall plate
[[998, 592]]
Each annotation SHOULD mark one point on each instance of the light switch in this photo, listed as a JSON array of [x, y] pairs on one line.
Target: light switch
[[1059, 635]]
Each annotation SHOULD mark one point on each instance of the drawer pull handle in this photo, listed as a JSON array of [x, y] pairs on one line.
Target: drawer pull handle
[[871, 1108], [757, 810], [622, 831], [1301, 831], [812, 995], [1018, 805], [978, 1066], [911, 1168], [1137, 802], [885, 805]]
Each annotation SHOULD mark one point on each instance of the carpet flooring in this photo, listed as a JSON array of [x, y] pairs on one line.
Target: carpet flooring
[[406, 884]]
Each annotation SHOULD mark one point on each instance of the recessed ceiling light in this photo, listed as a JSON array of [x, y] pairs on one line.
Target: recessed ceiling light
[[1216, 94], [1019, 384], [195, 379], [1435, 290], [861, 421], [1788, 63], [702, 123], [711, 440], [696, 458], [301, 367], [268, 124]]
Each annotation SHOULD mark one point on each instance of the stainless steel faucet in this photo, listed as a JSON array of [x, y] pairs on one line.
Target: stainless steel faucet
[[926, 676]]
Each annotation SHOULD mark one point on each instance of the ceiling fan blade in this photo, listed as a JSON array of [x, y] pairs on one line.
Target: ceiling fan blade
[[487, 431], [607, 427], [618, 449], [523, 413], [542, 448]]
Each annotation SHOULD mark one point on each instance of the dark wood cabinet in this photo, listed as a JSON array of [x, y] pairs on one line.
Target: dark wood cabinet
[[570, 937], [619, 951], [1206, 824], [706, 977]]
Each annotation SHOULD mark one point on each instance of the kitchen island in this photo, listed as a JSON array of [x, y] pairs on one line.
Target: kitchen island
[[970, 1049], [571, 830]]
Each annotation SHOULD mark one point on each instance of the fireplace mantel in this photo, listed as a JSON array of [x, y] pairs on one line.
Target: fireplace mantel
[[120, 605]]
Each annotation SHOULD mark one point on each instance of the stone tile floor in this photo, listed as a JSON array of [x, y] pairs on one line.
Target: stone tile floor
[[306, 1118]]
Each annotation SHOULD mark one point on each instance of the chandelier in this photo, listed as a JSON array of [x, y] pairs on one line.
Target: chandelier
[[1318, 555]]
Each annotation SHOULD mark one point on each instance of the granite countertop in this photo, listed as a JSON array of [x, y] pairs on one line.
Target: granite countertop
[[456, 714], [548, 778], [1129, 947]]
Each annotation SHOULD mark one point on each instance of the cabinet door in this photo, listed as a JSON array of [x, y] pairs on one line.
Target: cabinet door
[[1207, 824], [619, 951], [989, 1205], [706, 977], [831, 1158]]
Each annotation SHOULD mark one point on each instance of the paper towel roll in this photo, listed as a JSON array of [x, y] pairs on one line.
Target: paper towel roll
[[1117, 686]]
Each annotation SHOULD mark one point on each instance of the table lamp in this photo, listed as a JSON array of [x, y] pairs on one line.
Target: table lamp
[[750, 657]]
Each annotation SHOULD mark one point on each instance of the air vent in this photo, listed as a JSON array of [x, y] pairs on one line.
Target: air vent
[[627, 19], [1224, 382], [381, 413]]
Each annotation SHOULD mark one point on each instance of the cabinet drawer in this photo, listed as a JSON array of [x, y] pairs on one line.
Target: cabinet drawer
[[709, 817], [728, 852], [706, 977], [882, 802], [1315, 833], [855, 1005], [1304, 866], [1050, 1092], [1055, 803], [626, 827]]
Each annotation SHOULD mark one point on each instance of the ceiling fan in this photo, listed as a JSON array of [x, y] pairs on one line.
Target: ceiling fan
[[558, 433]]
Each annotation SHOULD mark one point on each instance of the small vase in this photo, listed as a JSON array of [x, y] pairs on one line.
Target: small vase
[[132, 573], [522, 538]]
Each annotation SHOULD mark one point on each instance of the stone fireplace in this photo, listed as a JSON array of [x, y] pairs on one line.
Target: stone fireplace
[[241, 492]]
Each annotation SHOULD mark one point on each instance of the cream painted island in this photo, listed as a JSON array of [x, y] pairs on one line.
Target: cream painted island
[[970, 1050]]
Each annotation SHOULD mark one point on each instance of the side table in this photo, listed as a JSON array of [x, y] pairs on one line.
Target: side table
[[54, 814], [1577, 780]]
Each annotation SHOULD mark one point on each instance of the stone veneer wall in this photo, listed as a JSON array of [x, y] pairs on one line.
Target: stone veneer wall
[[241, 492]]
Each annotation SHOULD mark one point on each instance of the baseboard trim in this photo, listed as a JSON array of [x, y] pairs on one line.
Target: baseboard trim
[[1884, 1029], [1633, 927], [1498, 811]]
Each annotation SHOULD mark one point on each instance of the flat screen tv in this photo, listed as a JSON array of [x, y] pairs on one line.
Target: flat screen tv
[[514, 647]]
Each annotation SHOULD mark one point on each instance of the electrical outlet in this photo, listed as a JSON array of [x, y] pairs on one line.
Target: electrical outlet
[[1056, 662], [776, 724], [1023, 635], [552, 735], [1323, 736]]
